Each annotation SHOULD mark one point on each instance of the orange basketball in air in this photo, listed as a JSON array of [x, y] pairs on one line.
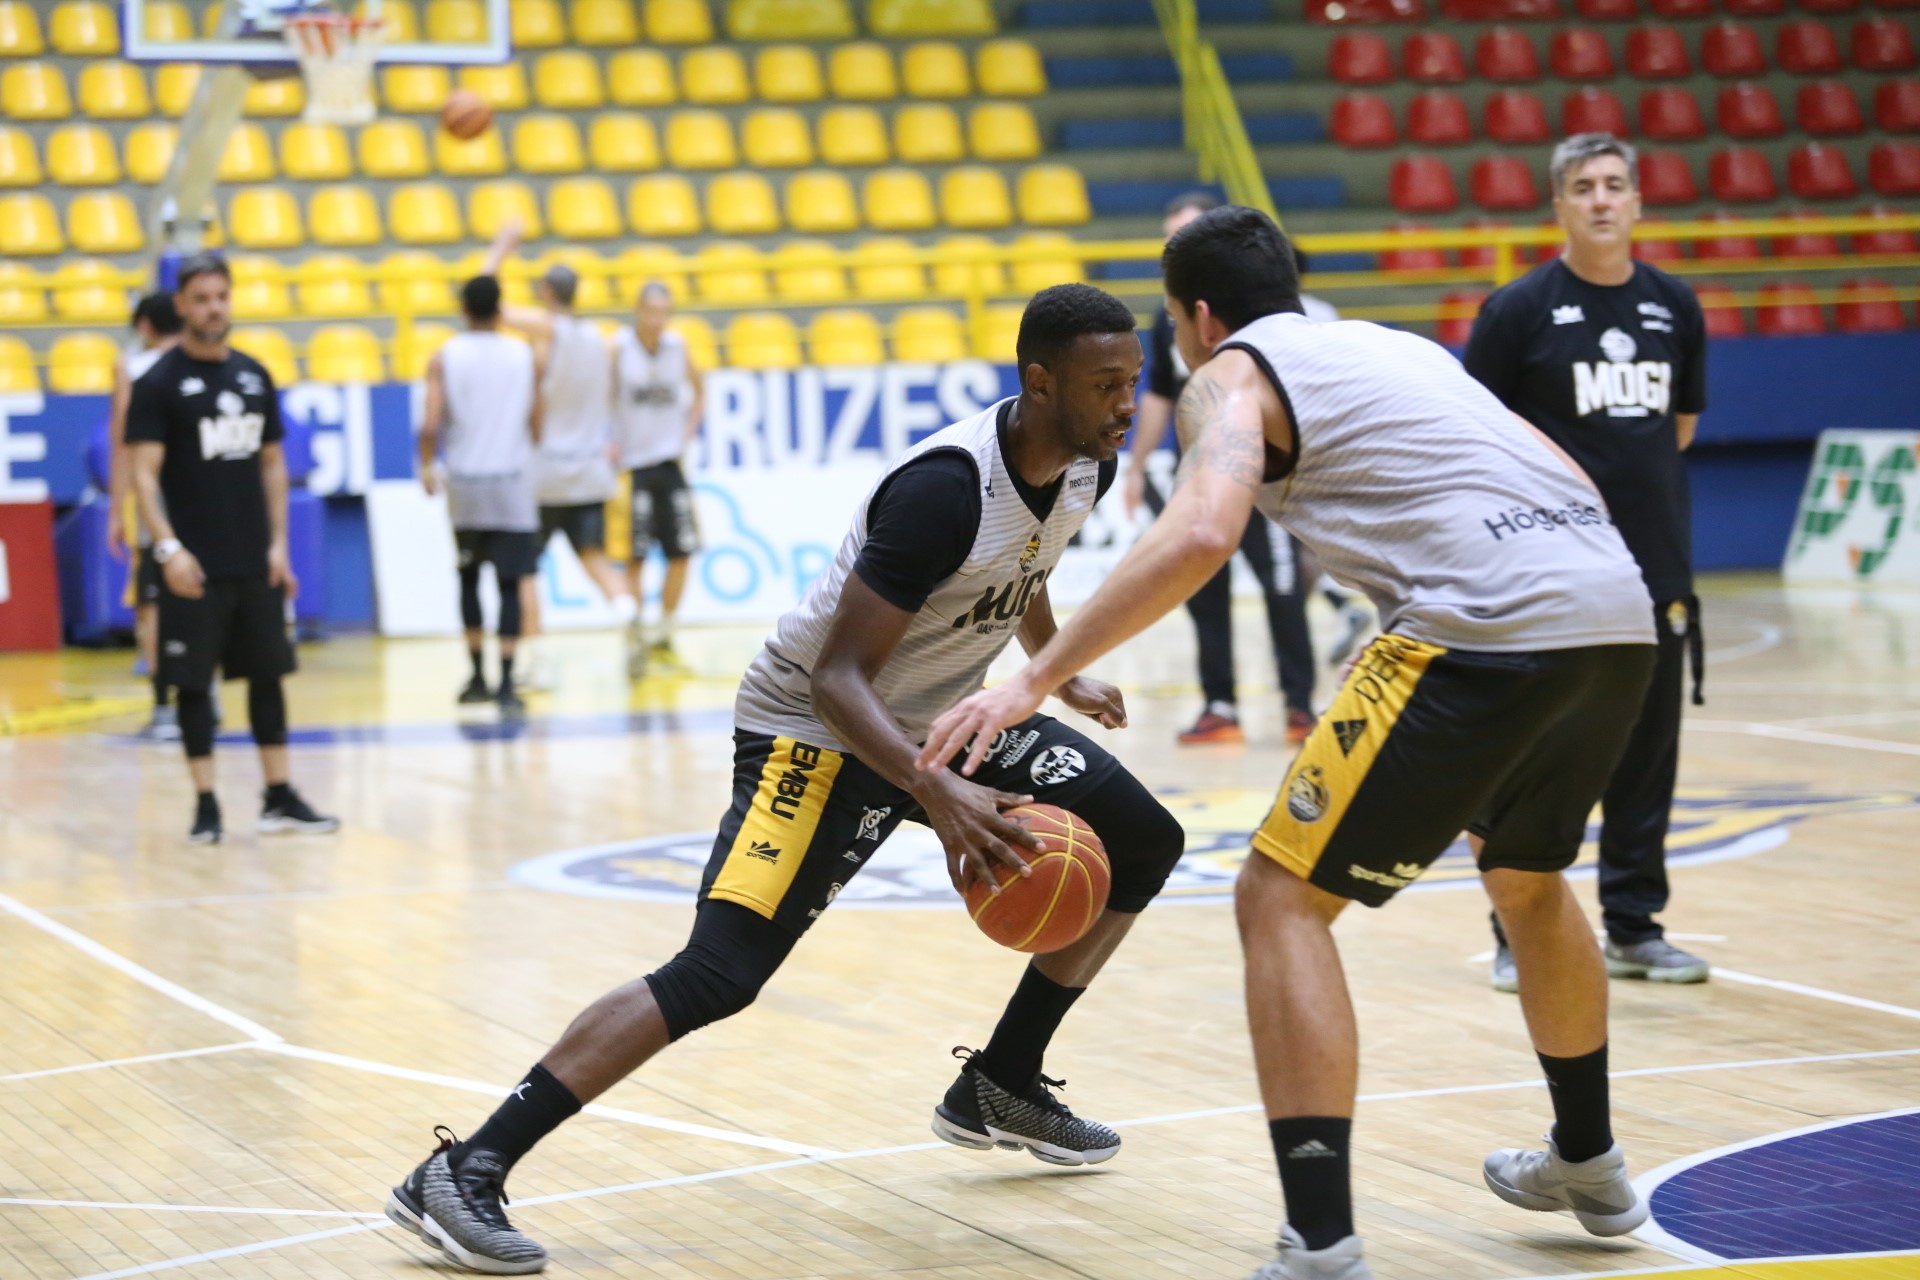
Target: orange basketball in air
[[1056, 905], [466, 114]]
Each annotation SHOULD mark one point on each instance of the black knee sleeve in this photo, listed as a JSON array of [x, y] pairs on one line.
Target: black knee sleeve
[[509, 606], [267, 712], [1143, 840], [732, 953], [470, 597], [196, 721]]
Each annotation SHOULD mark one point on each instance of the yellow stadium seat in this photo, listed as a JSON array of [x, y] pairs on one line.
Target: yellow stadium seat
[[594, 292], [393, 149], [1060, 265], [641, 78], [821, 201], [974, 197], [167, 21], [1010, 69], [490, 204], [969, 268], [22, 301], [700, 140], [410, 358], [702, 346], [504, 88], [344, 215], [788, 73], [173, 86], [28, 225], [789, 20], [19, 162], [996, 334], [742, 204], [279, 96], [411, 281], [547, 144], [805, 271], [271, 348], [86, 292], [853, 136], [584, 209], [20, 30], [315, 153], [82, 364], [424, 213], [536, 24], [84, 29], [415, 88], [928, 134], [880, 274], [862, 71], [623, 142], [568, 80], [1053, 195], [776, 138], [605, 22], [34, 91], [456, 22], [330, 286], [679, 22], [762, 340], [730, 274], [935, 69], [476, 157], [345, 353], [400, 22], [515, 290], [931, 18], [265, 218], [663, 206], [897, 200], [81, 155], [114, 90], [104, 222], [845, 337], [249, 155], [1003, 131], [16, 366], [210, 20], [150, 151], [649, 264], [933, 335], [714, 77], [259, 291]]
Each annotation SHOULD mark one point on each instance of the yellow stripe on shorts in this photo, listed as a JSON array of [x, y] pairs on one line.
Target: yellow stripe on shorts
[[773, 840], [1336, 756]]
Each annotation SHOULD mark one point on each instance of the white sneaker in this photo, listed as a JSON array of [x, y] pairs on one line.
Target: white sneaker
[[1595, 1191], [1656, 960], [1505, 975], [537, 675], [1340, 1261]]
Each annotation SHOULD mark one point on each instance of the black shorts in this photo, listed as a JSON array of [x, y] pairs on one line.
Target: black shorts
[[663, 512], [147, 580], [238, 625], [584, 523], [513, 553], [1422, 743], [805, 819]]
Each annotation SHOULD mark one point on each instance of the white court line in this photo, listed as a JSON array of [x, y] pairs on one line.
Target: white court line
[[1814, 736], [1861, 717], [259, 1246], [1695, 1266], [139, 973], [128, 1062], [1768, 638], [1818, 993], [241, 1210]]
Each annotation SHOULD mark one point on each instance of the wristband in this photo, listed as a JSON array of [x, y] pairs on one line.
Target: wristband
[[165, 549]]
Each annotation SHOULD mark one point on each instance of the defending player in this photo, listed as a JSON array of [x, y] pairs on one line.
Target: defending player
[[947, 562]]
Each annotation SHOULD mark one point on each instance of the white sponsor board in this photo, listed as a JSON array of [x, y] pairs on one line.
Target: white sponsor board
[[1859, 517]]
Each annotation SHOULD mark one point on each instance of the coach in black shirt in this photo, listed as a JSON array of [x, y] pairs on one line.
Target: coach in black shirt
[[1608, 356], [203, 430]]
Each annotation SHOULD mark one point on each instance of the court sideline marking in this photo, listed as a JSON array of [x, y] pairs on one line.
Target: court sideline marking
[[1813, 736]]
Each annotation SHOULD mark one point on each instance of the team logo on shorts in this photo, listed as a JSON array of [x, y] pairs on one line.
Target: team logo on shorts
[[1056, 765], [1307, 794], [870, 820]]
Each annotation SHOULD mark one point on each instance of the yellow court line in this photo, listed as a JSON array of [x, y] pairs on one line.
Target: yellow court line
[[1863, 1266], [68, 715]]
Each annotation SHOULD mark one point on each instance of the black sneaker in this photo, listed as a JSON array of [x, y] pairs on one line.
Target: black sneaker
[[511, 703], [206, 822], [476, 691], [292, 813], [457, 1208], [979, 1114]]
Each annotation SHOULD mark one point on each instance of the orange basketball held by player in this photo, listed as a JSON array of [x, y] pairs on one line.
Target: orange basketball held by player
[[466, 114], [1057, 904]]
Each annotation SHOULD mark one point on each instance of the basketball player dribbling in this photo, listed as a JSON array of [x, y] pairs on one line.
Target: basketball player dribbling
[[947, 562]]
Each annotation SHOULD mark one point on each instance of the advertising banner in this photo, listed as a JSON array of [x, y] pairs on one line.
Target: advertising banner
[[1859, 513]]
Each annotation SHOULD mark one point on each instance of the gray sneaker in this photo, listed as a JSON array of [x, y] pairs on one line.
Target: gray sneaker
[[164, 726], [980, 1115], [1656, 960], [1595, 1191], [1341, 1261], [458, 1210], [1505, 977]]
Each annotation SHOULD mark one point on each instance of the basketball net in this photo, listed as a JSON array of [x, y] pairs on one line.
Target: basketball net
[[336, 55]]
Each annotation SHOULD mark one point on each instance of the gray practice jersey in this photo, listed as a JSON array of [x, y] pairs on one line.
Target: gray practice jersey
[[963, 626], [488, 378], [1413, 483], [651, 395], [576, 422]]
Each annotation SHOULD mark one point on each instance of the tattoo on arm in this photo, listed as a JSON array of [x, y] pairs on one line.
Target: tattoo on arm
[[1220, 431]]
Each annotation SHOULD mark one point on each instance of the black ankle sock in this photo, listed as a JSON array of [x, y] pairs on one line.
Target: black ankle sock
[[506, 671], [279, 792], [539, 1106], [1012, 1058], [160, 693], [478, 658], [1314, 1178], [206, 802], [1582, 1117]]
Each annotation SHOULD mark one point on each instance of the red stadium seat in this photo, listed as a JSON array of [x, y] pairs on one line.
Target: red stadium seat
[[1806, 244], [1503, 183], [1749, 111], [1896, 4], [1360, 57], [1422, 184], [1726, 248], [1868, 306], [1413, 259], [1482, 255], [1657, 251], [1820, 172], [1515, 117], [1657, 53], [1665, 178], [1608, 10], [1540, 253], [1674, 9], [1881, 44], [1456, 320], [1756, 8], [1347, 11], [1740, 175], [1829, 6], [1896, 106], [1500, 10], [1807, 49], [1722, 314], [1732, 49], [1432, 57], [1894, 168], [1884, 241], [1670, 115], [1788, 311], [1363, 120], [1580, 53], [1438, 118], [1505, 56], [1591, 110], [1828, 109]]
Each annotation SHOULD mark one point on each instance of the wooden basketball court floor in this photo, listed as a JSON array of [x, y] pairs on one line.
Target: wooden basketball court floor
[[215, 1060]]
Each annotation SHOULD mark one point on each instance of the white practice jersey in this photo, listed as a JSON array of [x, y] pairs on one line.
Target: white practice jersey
[[576, 417], [963, 626], [651, 395], [1414, 484], [489, 384]]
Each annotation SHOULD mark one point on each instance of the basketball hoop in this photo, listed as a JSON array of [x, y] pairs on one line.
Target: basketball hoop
[[336, 55]]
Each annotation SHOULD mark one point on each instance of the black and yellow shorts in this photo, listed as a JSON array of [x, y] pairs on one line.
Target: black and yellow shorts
[[1422, 743]]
